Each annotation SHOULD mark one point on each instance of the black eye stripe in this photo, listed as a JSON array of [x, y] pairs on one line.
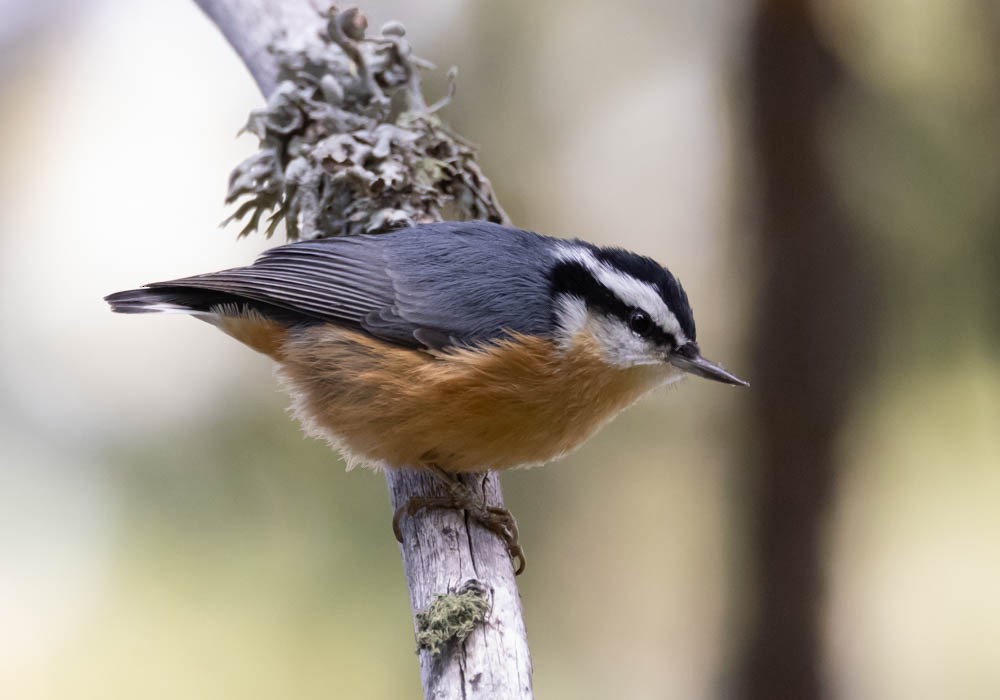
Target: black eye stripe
[[650, 271], [574, 279], [661, 337], [571, 277]]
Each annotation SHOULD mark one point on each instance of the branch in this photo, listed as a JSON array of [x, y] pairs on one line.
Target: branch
[[348, 145], [251, 26]]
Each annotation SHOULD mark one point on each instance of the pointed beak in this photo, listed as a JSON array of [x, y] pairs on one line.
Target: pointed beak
[[688, 358]]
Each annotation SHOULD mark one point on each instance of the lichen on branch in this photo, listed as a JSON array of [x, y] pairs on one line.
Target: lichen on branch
[[452, 617], [348, 144]]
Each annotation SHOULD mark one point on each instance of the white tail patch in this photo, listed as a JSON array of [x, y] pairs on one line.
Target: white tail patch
[[165, 308], [211, 317]]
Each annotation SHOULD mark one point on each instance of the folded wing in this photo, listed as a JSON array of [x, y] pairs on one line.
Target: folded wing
[[433, 286]]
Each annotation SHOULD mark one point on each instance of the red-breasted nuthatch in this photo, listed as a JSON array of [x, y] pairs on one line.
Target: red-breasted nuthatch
[[454, 347]]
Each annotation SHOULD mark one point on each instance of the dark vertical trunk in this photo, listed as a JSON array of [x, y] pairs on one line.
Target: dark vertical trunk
[[806, 337]]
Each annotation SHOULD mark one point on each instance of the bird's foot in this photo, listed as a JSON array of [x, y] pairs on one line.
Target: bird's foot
[[497, 520]]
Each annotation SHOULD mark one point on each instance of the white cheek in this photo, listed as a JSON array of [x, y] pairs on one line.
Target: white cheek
[[572, 316], [620, 346]]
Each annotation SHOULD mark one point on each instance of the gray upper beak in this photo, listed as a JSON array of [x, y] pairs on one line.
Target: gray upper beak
[[688, 358]]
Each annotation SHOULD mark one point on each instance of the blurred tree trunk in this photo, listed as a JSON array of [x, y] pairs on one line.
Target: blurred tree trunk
[[807, 342]]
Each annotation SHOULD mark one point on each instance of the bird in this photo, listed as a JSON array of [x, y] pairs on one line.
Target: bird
[[451, 347]]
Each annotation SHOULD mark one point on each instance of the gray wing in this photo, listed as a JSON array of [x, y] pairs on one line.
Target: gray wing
[[433, 285]]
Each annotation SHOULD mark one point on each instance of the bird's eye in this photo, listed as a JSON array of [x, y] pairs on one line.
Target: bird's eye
[[640, 322]]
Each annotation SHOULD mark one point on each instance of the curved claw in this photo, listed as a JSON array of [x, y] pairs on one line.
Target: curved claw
[[501, 523], [507, 521], [413, 506], [395, 524], [516, 553], [497, 520]]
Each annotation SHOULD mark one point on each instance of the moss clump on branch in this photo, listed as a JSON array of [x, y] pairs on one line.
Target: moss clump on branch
[[348, 145], [452, 617]]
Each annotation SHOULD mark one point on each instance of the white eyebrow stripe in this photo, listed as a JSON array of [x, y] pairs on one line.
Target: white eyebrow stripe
[[627, 288]]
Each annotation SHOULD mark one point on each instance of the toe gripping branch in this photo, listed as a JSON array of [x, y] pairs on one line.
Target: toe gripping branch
[[460, 496]]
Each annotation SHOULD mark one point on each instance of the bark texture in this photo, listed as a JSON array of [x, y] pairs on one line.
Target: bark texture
[[444, 551]]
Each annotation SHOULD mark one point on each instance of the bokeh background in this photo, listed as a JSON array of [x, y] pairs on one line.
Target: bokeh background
[[824, 177]]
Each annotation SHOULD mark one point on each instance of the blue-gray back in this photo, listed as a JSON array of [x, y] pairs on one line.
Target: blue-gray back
[[433, 285]]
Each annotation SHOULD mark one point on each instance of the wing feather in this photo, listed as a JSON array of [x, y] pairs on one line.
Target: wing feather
[[434, 286]]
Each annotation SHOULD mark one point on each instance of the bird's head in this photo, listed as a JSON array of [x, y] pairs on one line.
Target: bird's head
[[631, 306]]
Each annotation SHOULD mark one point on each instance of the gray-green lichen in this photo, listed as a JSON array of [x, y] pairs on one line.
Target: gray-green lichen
[[452, 617], [348, 145]]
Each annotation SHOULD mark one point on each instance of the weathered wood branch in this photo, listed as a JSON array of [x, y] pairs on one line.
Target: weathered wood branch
[[251, 26], [442, 551]]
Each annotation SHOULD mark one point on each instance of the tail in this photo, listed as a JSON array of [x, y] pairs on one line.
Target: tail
[[166, 300], [260, 326], [204, 304]]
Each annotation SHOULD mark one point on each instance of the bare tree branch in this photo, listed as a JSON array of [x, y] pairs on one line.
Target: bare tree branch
[[338, 156], [251, 26]]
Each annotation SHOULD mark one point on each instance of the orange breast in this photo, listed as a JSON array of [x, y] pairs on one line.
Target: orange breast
[[253, 330], [520, 402]]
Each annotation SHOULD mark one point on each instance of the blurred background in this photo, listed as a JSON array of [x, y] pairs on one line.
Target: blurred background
[[824, 177]]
